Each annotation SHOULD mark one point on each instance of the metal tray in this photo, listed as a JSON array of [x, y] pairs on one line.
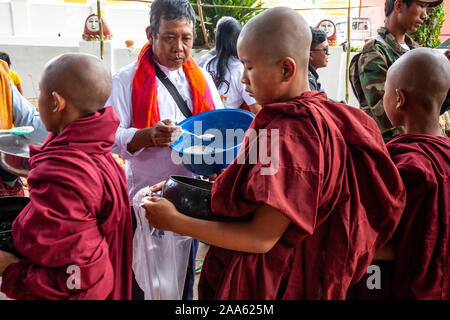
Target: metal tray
[[14, 154]]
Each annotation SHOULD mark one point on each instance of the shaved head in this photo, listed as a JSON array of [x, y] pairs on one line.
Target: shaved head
[[423, 74], [278, 33], [82, 79]]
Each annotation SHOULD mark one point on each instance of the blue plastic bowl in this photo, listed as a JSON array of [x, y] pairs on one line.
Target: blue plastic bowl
[[227, 125]]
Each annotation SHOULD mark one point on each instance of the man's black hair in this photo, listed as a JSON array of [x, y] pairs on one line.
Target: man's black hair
[[318, 36], [389, 6], [170, 10], [5, 57]]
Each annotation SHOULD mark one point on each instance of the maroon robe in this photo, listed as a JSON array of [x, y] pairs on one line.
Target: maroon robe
[[335, 182], [422, 240], [78, 218]]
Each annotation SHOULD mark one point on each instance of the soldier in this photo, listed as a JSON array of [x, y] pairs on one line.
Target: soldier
[[368, 71]]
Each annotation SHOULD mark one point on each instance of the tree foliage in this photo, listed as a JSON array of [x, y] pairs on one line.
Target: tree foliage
[[212, 14], [428, 34]]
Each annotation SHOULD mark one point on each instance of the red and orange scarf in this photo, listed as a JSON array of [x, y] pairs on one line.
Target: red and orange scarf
[[145, 96]]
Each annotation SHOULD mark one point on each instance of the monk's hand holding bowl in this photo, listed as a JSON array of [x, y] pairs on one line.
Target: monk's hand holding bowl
[[6, 259], [161, 213], [163, 133], [157, 187]]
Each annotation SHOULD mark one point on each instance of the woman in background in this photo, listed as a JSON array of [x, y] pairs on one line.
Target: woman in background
[[226, 69]]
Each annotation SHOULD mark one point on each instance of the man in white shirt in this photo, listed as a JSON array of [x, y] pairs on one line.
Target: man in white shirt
[[148, 113]]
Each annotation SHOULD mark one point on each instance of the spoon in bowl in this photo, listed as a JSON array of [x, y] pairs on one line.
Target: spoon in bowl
[[204, 137], [19, 130]]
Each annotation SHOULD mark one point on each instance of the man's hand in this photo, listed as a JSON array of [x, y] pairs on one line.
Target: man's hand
[[162, 134], [6, 259]]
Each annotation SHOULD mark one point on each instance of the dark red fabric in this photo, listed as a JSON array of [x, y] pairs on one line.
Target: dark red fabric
[[368, 289], [334, 181], [79, 215], [422, 240], [245, 107]]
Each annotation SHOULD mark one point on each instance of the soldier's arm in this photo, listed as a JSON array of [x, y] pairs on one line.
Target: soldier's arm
[[373, 68]]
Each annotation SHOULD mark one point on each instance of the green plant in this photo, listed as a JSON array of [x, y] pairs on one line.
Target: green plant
[[212, 14], [428, 34], [352, 48]]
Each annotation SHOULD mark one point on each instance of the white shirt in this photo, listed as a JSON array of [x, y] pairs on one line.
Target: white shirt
[[25, 114], [205, 58], [148, 166], [405, 46], [232, 91]]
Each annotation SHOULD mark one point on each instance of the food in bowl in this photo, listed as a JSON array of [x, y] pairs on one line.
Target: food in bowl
[[228, 126], [201, 149]]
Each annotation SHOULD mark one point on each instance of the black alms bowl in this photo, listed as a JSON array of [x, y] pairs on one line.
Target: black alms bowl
[[10, 207], [190, 196]]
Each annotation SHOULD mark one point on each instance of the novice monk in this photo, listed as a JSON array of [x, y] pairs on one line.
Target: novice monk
[[308, 225], [76, 232], [416, 87]]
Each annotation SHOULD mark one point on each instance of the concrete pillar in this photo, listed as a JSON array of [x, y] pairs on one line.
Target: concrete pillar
[[20, 18]]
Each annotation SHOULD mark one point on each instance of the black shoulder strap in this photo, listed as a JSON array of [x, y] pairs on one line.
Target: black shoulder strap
[[173, 92]]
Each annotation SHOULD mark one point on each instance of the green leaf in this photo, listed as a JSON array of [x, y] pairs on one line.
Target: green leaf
[[212, 15]]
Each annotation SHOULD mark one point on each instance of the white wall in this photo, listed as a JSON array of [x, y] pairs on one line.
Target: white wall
[[53, 19], [29, 60], [29, 34], [333, 76], [5, 19], [128, 23], [29, 57], [67, 19]]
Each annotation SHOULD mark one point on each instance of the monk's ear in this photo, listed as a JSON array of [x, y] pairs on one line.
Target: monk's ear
[[59, 102], [400, 99], [289, 67]]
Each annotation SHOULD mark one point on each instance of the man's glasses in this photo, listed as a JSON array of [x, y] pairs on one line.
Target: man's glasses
[[324, 50]]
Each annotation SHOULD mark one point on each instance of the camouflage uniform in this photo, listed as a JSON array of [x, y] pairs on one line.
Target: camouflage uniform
[[374, 61]]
